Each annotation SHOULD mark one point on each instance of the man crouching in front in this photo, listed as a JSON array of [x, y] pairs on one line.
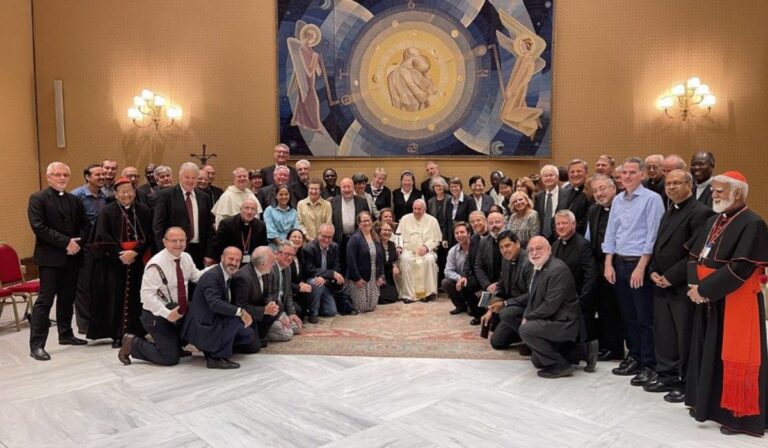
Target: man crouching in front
[[164, 299]]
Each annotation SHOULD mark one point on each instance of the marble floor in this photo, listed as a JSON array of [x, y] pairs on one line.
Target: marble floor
[[84, 397]]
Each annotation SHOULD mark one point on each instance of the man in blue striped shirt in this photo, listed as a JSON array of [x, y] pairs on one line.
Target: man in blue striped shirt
[[632, 227]]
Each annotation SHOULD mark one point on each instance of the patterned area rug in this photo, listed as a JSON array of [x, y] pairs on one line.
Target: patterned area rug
[[418, 330]]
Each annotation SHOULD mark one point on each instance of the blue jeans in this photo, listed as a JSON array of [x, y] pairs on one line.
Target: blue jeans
[[636, 306], [322, 302]]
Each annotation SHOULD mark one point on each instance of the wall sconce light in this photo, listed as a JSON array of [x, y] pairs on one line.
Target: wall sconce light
[[692, 93], [148, 108]]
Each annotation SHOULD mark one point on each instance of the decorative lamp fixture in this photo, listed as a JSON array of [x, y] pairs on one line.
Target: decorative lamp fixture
[[148, 108], [692, 93]]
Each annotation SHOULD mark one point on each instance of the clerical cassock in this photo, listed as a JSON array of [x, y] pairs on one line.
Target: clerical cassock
[[122, 227], [727, 380]]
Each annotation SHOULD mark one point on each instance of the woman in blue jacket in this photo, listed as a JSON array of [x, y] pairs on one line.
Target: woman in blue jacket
[[365, 265]]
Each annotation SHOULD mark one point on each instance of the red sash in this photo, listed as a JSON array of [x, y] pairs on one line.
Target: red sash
[[741, 347], [129, 245]]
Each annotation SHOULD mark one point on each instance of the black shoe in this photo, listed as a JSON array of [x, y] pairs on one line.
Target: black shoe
[[691, 412], [40, 354], [647, 375], [116, 343], [659, 385], [264, 343], [728, 431], [407, 301], [313, 319], [675, 396], [430, 298], [474, 321], [185, 353], [124, 355], [555, 372], [592, 349], [627, 367], [72, 340], [222, 363], [524, 350], [609, 355], [353, 313], [456, 311]]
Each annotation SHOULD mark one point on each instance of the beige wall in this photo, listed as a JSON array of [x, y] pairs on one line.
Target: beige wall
[[217, 61], [17, 115]]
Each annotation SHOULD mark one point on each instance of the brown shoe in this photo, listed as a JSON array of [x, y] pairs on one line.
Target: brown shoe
[[124, 355]]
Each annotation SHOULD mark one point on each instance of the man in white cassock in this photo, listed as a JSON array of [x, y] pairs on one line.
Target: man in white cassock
[[419, 236], [229, 203]]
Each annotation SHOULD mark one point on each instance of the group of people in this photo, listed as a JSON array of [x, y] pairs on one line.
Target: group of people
[[568, 267]]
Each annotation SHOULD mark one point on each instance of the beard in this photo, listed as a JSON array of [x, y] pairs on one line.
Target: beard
[[723, 204]]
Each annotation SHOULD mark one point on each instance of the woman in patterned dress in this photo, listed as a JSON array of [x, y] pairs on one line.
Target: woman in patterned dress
[[365, 265]]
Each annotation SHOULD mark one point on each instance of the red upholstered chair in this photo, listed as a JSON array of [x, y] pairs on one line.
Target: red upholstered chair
[[14, 289]]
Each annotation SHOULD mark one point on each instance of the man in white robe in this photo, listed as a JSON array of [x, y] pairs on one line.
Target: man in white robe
[[419, 238], [230, 201]]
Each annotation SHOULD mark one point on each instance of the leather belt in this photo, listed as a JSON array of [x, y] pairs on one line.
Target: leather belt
[[627, 258]]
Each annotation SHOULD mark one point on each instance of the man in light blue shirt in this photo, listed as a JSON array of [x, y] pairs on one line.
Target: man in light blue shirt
[[91, 194], [629, 238]]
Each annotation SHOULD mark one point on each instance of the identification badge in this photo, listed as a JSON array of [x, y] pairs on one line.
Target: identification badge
[[246, 258]]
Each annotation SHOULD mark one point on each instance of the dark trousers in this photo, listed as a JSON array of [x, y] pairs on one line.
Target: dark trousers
[[166, 349], [83, 295], [673, 314], [553, 344], [343, 252], [198, 254], [508, 330], [610, 326], [636, 306], [234, 334], [449, 286], [61, 283], [262, 327], [470, 292]]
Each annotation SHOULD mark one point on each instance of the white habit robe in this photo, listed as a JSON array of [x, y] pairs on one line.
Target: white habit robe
[[418, 275], [230, 201]]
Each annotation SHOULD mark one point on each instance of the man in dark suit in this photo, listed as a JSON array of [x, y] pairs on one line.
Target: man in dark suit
[[578, 202], [551, 324], [266, 196], [189, 208], [511, 296], [252, 290], [212, 190], [215, 325], [433, 171], [148, 188], [654, 176], [673, 311], [243, 231], [575, 251], [611, 334], [322, 270], [702, 166], [456, 205], [164, 179], [488, 260], [288, 322], [381, 194], [61, 227], [300, 189], [549, 200], [280, 155], [344, 210]]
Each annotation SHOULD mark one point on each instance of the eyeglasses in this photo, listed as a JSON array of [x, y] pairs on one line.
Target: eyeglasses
[[64, 175], [325, 237], [287, 254]]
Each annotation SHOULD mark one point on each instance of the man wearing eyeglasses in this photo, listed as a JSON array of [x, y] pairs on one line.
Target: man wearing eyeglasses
[[321, 265], [280, 155], [60, 225], [288, 323]]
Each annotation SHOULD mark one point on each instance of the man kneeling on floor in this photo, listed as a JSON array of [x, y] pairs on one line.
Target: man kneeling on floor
[[164, 299], [552, 324], [213, 324]]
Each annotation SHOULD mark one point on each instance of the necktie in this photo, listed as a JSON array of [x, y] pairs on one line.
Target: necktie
[[181, 289], [547, 224], [191, 214], [533, 277], [229, 294]]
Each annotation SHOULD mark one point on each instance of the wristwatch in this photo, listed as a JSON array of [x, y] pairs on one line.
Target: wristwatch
[[239, 312]]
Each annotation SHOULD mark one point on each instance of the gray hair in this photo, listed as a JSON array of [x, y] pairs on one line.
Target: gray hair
[[259, 255], [438, 181], [53, 165], [282, 168], [160, 169], [189, 166], [568, 213], [283, 244], [551, 168]]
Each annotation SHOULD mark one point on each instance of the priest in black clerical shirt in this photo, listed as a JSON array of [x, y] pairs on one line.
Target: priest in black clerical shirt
[[611, 330], [576, 252], [243, 231]]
